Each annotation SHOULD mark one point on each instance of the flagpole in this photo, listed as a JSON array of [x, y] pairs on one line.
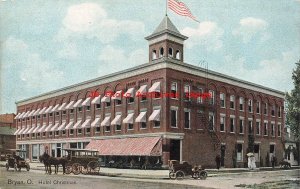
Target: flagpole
[[166, 7]]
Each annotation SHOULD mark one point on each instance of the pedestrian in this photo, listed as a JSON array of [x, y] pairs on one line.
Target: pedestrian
[[253, 160], [249, 162], [273, 160], [218, 161]]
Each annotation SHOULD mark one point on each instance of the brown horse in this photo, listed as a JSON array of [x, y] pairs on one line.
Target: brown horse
[[48, 161]]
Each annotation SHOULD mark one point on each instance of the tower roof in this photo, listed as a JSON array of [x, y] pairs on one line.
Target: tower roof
[[166, 26]]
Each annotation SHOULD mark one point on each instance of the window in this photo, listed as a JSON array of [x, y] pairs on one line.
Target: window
[[39, 116], [222, 123], [71, 111], [232, 125], [51, 114], [250, 126], [266, 109], [222, 99], [161, 52], [64, 112], [71, 131], [173, 118], [257, 127], [279, 111], [241, 126], [154, 55], [187, 93], [212, 97], [50, 133], [107, 128], [79, 131], [143, 125], [118, 127], [177, 55], [170, 52], [88, 130], [156, 94], [250, 105], [239, 152], [39, 134], [57, 113], [63, 132], [199, 98], [88, 108], [258, 107], [272, 129], [29, 118], [273, 110], [130, 126], [97, 129], [44, 115], [56, 132], [98, 106], [232, 102], [187, 119], [211, 120], [279, 130], [156, 123], [79, 109], [266, 129], [107, 104], [272, 149], [44, 134], [201, 119], [241, 104], [119, 102], [130, 100], [173, 90]]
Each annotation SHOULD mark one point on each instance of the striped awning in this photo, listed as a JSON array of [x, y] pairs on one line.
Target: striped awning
[[129, 93], [70, 125], [70, 105], [96, 100], [54, 128], [96, 122], [87, 102], [155, 87], [62, 126], [145, 146], [62, 107], [129, 118], [55, 108]]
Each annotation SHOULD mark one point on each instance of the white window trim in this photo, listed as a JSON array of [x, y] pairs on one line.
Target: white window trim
[[189, 111], [176, 91], [224, 98], [223, 116]]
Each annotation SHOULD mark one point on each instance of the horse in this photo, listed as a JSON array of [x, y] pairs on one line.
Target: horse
[[48, 161]]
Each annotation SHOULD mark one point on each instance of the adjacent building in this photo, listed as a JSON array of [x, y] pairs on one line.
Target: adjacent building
[[7, 130], [157, 109]]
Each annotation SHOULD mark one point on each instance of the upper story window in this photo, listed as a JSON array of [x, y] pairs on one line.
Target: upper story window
[[64, 112], [200, 98], [154, 56], [71, 111], [57, 113], [173, 90], [279, 111], [273, 110], [177, 55], [232, 101], [79, 109], [222, 100], [211, 120], [258, 107], [250, 105], [173, 118], [212, 97], [241, 104], [272, 129], [44, 115], [232, 124], [187, 92], [88, 108], [279, 130], [222, 123], [51, 114], [266, 109], [170, 52], [187, 117], [241, 126], [161, 52]]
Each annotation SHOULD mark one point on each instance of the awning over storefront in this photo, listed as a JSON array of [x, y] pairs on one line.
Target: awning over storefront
[[31, 129], [70, 125], [117, 120], [155, 116], [78, 103], [36, 112], [49, 109], [48, 127], [54, 109], [54, 127], [42, 129], [21, 131], [86, 124], [96, 122], [42, 111], [147, 146], [155, 87], [129, 93], [105, 99], [117, 95], [106, 121], [62, 126], [77, 125], [96, 100], [70, 105], [87, 102], [17, 131], [129, 118], [142, 90], [141, 117], [62, 107]]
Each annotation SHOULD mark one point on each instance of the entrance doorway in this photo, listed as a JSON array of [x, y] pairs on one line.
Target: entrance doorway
[[223, 148], [175, 150]]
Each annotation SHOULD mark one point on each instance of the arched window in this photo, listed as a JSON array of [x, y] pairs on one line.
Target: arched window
[[177, 55], [170, 52], [154, 55], [161, 52]]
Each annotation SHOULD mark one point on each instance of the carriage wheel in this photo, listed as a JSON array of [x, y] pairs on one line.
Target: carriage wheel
[[76, 168], [93, 167], [27, 167], [84, 170], [7, 166], [203, 175], [68, 170], [179, 175], [172, 175], [196, 175]]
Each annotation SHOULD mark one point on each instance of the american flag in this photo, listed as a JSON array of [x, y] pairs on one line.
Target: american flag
[[181, 9]]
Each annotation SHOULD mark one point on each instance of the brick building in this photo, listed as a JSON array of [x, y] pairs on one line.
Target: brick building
[[7, 130], [151, 112]]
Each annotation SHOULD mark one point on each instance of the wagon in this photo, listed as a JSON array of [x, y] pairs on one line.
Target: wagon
[[82, 161], [15, 161], [178, 170]]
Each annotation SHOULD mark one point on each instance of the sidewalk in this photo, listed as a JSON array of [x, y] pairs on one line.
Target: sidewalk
[[155, 174]]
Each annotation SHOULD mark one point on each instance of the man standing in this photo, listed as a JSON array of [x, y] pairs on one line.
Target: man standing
[[218, 161]]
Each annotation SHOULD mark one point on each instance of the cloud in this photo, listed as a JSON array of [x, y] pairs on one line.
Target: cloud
[[90, 20], [208, 34], [251, 27], [113, 59], [273, 73]]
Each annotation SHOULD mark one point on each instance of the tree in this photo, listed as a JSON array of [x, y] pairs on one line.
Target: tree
[[293, 104]]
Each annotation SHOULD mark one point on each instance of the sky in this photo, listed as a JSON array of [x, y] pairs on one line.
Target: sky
[[47, 45]]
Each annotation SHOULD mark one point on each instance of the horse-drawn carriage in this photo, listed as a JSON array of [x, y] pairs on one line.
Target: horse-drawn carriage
[[178, 170], [15, 161], [82, 161]]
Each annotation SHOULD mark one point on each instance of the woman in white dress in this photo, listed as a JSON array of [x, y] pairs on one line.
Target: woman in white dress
[[253, 165]]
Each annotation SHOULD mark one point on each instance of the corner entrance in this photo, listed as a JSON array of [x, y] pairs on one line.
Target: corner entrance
[[175, 150]]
